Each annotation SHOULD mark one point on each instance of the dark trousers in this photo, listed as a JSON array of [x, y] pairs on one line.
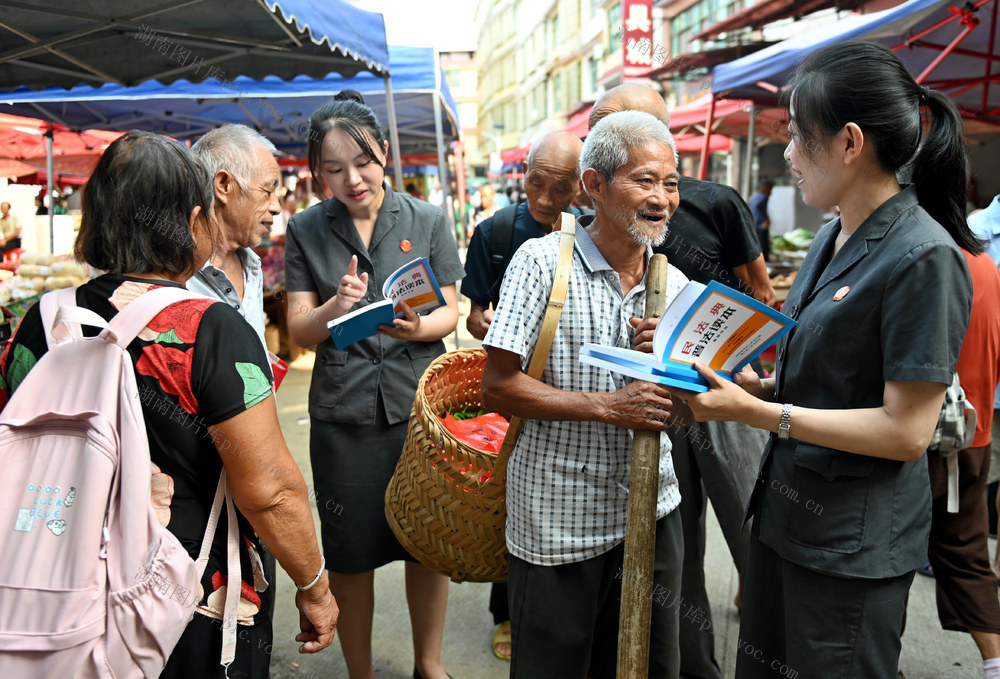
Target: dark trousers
[[958, 549], [564, 619], [797, 622], [714, 461], [499, 604]]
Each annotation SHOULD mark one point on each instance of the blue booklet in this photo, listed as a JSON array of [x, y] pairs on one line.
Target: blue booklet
[[413, 283], [713, 323]]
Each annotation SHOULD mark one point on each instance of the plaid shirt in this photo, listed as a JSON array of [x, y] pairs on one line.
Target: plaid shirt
[[567, 482]]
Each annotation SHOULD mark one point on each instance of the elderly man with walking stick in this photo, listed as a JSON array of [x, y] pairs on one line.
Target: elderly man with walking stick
[[567, 493]]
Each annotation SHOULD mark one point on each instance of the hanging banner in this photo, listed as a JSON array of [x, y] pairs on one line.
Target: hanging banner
[[637, 38]]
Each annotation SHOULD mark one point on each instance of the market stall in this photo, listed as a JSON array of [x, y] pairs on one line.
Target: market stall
[[129, 43]]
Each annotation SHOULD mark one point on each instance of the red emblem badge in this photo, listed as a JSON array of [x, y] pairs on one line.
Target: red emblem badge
[[842, 293], [406, 246]]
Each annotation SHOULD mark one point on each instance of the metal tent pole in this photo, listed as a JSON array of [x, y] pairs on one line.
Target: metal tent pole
[[746, 180], [50, 185], [397, 164], [703, 168]]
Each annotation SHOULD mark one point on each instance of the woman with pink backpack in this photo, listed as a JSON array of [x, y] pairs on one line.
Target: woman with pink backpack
[[203, 383]]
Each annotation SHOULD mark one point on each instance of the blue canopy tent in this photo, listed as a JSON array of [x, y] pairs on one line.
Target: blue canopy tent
[[65, 43], [948, 46], [69, 42], [280, 109]]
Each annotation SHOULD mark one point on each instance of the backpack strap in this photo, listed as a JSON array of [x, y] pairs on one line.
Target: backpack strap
[[131, 320], [50, 305], [501, 237], [234, 583], [543, 345], [62, 318]]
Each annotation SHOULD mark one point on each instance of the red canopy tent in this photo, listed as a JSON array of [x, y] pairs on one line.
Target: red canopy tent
[[732, 118], [23, 141], [515, 156], [60, 181], [579, 123], [686, 140], [693, 143]]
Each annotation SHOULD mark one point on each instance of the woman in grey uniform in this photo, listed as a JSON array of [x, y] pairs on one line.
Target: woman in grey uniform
[[338, 255], [882, 301]]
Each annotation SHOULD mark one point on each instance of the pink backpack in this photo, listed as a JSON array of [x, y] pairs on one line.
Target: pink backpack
[[90, 584]]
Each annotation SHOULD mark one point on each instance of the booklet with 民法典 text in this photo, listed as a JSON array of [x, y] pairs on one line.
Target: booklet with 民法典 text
[[413, 283], [713, 323]]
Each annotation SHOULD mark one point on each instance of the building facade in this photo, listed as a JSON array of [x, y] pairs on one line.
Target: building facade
[[461, 69], [542, 61]]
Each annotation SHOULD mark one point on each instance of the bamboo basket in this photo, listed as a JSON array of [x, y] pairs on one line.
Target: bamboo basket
[[446, 501]]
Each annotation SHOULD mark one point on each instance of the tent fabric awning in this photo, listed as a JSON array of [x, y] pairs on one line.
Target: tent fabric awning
[[918, 30], [515, 156], [279, 109], [23, 147], [732, 118], [63, 43], [706, 59], [22, 138], [60, 180], [765, 12], [579, 124], [694, 143]]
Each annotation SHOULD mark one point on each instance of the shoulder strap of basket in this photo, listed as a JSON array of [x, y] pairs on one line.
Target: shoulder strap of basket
[[567, 238]]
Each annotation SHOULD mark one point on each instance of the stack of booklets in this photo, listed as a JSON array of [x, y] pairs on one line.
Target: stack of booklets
[[713, 324]]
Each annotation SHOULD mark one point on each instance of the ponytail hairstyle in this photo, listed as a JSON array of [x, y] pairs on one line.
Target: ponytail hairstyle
[[867, 84], [349, 114]]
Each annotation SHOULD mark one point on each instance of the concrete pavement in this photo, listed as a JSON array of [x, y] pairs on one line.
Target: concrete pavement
[[928, 652]]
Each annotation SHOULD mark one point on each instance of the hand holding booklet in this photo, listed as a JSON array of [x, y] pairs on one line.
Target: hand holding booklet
[[413, 283], [713, 323]]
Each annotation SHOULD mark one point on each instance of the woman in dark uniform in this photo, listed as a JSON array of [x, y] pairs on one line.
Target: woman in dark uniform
[[338, 255], [842, 505]]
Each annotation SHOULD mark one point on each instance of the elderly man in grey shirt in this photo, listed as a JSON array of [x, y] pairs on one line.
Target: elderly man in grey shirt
[[245, 178]]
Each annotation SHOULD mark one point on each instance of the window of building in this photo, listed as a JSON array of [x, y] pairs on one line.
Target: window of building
[[615, 27], [573, 85], [540, 109]]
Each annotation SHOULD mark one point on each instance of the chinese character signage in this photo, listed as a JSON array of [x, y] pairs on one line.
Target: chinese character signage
[[637, 38]]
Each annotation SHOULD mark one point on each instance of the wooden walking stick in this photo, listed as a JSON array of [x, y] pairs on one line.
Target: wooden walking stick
[[640, 530]]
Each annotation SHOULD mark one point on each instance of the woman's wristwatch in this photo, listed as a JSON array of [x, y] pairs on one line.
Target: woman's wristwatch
[[785, 424]]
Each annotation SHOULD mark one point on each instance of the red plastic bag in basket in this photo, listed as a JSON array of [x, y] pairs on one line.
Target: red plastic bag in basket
[[484, 432]]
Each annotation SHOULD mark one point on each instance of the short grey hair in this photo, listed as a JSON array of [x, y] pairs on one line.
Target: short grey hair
[[232, 148], [610, 142]]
